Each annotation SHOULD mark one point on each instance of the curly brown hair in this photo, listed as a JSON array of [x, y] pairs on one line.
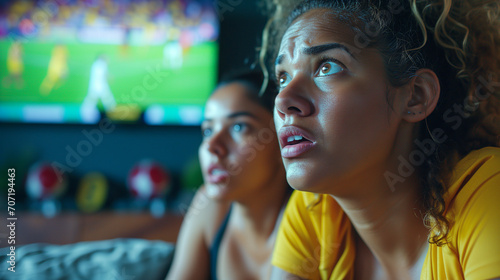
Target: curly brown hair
[[458, 40]]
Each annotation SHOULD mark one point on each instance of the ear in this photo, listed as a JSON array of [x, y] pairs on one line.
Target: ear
[[423, 95]]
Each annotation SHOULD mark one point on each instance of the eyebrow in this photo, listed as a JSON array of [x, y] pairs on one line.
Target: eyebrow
[[315, 50], [279, 59], [238, 114]]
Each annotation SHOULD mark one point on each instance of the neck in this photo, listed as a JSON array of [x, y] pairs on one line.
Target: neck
[[388, 217], [258, 215], [390, 224]]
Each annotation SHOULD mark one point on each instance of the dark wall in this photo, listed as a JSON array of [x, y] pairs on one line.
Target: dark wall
[[111, 150], [125, 145], [241, 31]]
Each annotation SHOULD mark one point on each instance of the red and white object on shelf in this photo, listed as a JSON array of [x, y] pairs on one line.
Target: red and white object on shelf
[[148, 180], [43, 182]]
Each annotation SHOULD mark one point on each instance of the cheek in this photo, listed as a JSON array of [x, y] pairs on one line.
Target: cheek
[[203, 156], [271, 153], [257, 151], [276, 118], [355, 111], [241, 153]]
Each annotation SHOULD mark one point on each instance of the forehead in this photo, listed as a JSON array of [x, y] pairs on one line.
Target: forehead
[[317, 27], [229, 99]]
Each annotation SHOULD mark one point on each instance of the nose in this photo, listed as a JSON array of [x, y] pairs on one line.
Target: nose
[[293, 100], [216, 144]]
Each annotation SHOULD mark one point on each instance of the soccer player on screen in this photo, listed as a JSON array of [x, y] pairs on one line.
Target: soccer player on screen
[[57, 70], [15, 66], [173, 55], [99, 87]]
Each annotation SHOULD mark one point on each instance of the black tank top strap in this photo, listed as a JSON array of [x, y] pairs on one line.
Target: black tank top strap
[[214, 249]]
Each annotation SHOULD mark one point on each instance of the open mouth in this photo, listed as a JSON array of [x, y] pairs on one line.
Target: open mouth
[[296, 139], [216, 174]]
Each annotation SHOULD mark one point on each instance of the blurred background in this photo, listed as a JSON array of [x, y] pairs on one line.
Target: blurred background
[[101, 101]]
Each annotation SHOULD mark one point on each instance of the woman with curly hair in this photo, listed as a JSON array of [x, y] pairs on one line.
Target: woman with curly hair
[[388, 121]]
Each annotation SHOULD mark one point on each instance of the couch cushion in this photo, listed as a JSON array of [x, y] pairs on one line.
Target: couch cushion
[[128, 259]]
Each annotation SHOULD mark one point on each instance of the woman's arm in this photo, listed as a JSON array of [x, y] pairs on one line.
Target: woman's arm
[[191, 259]]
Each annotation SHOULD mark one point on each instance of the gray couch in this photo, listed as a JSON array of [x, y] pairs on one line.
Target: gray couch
[[115, 259]]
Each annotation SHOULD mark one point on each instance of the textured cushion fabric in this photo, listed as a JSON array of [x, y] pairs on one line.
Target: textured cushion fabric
[[128, 259]]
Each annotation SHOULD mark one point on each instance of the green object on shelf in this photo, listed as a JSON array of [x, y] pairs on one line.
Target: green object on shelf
[[192, 177]]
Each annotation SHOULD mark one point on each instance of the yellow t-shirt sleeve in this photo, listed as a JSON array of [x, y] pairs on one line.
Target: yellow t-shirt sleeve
[[478, 231], [297, 246]]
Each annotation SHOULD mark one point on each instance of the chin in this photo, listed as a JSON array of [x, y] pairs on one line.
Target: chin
[[303, 186], [213, 191], [305, 179], [216, 192], [299, 179]]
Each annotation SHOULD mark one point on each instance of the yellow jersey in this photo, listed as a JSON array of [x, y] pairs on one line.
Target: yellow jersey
[[317, 242]]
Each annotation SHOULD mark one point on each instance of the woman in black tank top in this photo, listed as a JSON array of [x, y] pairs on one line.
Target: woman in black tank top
[[229, 230]]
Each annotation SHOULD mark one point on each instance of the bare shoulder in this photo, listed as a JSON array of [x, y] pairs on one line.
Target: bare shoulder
[[206, 213], [191, 258]]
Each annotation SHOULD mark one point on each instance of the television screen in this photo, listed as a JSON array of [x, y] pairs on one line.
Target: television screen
[[77, 61]]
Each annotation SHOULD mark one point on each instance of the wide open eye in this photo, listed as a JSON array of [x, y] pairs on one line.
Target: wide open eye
[[284, 79], [238, 127], [329, 68], [206, 132]]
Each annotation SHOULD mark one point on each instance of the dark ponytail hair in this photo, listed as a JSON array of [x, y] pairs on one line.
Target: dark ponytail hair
[[253, 81]]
